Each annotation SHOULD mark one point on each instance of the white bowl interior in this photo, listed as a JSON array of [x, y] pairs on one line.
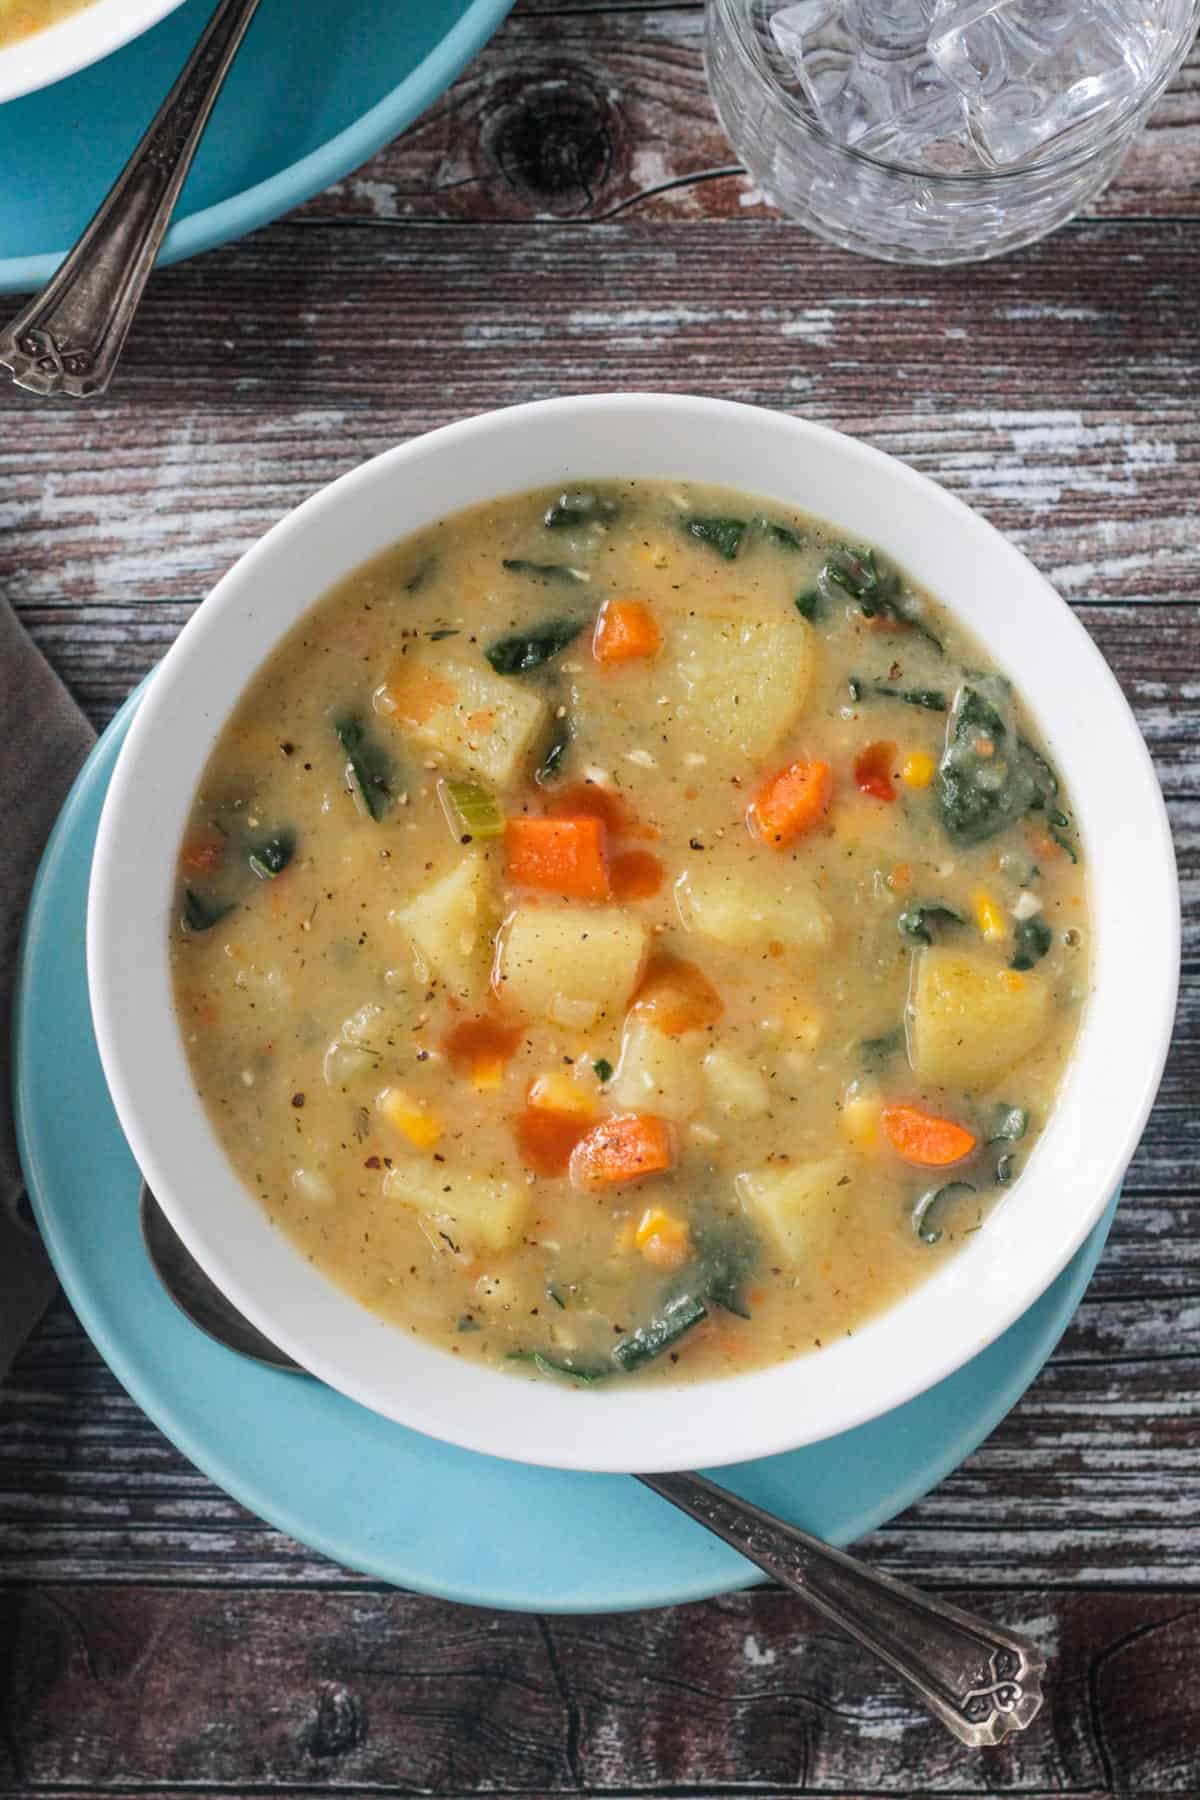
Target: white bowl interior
[[1024, 626], [76, 41]]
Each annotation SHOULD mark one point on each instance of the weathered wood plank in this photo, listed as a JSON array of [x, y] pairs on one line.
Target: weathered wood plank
[[391, 1694], [1052, 390], [1093, 1476], [586, 112]]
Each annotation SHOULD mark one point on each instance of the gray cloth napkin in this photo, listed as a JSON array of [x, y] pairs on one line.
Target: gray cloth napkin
[[46, 738]]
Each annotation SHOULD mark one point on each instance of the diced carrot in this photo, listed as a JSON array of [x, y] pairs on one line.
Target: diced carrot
[[625, 1147], [873, 771], [636, 875], [412, 693], [564, 856], [625, 631], [676, 996], [588, 800], [483, 1047], [923, 1138], [791, 803], [547, 1139], [201, 854]]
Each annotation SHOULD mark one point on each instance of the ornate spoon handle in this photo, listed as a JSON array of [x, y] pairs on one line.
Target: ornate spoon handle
[[68, 339], [981, 1681]]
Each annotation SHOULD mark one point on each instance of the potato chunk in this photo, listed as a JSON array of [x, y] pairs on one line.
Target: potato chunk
[[738, 1089], [741, 682], [752, 906], [483, 1211], [969, 1019], [450, 925], [802, 1205], [483, 722], [572, 964], [659, 1074]]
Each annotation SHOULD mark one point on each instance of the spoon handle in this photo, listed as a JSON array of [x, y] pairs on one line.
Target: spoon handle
[[68, 338], [981, 1681]]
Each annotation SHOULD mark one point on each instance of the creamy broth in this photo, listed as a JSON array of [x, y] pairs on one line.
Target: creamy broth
[[21, 18], [629, 933]]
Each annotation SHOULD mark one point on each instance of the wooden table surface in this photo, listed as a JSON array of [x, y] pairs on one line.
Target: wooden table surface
[[569, 218]]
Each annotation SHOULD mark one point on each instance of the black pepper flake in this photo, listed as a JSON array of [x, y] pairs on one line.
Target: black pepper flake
[[288, 749], [297, 1099], [372, 1162], [695, 844]]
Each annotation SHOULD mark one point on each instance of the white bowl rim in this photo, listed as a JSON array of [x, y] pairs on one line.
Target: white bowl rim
[[1084, 1149], [75, 42]]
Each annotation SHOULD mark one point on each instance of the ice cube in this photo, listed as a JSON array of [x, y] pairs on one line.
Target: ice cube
[[1031, 70], [867, 74]]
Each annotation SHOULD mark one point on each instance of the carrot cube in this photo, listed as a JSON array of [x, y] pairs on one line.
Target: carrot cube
[[791, 803], [625, 631], [562, 856]]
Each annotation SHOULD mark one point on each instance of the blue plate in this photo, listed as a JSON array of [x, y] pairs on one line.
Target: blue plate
[[362, 1490], [315, 91]]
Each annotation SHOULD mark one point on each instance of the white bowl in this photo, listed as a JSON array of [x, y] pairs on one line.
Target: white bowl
[[81, 38], [1108, 1090]]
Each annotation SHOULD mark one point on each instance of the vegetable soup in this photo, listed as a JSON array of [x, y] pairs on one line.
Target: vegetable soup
[[629, 933], [21, 18]]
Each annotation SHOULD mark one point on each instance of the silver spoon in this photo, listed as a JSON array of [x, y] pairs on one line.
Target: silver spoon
[[981, 1681], [68, 338]]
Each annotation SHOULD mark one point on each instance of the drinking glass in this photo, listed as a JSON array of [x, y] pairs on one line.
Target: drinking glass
[[945, 200]]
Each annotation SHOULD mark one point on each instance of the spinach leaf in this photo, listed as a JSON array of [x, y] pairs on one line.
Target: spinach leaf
[[580, 507], [420, 575], [932, 699], [988, 777], [810, 606], [559, 742], [858, 574], [525, 650], [660, 1332], [728, 1252], [1032, 938], [1008, 1125], [1059, 823], [915, 921], [1044, 779], [603, 1068], [928, 1215], [857, 571], [1006, 1168], [201, 914], [539, 571], [549, 1365], [722, 535], [877, 1051], [783, 537], [272, 858], [368, 767]]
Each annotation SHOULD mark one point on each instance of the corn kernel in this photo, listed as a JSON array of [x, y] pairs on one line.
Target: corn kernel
[[412, 1118], [991, 920], [557, 1092], [860, 1120], [662, 1238], [917, 769]]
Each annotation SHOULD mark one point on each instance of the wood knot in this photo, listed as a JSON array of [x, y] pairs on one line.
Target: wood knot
[[552, 141], [339, 1725]]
